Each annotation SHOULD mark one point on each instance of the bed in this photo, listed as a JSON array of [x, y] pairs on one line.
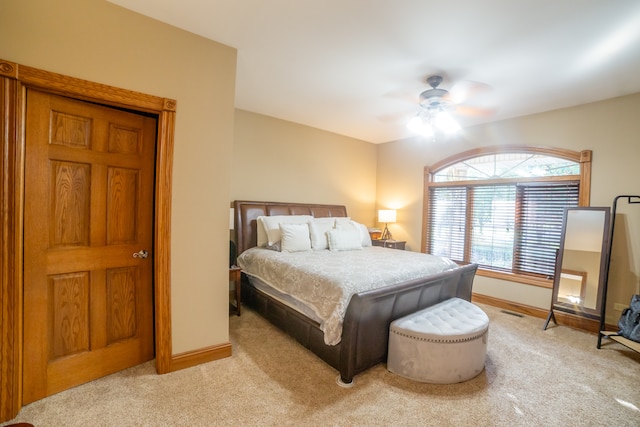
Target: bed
[[364, 329]]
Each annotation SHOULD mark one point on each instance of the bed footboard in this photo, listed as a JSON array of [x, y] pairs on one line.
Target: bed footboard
[[365, 333]]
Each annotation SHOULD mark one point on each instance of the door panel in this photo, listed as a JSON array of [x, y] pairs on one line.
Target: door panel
[[122, 205], [70, 198], [69, 314], [89, 179], [121, 299]]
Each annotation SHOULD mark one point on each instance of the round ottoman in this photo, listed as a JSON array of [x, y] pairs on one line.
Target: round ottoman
[[445, 343]]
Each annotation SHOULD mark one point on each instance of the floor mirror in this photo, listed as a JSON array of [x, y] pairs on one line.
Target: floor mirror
[[581, 263]]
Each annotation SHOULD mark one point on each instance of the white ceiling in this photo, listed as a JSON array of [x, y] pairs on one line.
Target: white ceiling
[[356, 67]]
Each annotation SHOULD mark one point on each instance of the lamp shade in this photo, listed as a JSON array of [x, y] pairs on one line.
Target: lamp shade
[[231, 218], [387, 215]]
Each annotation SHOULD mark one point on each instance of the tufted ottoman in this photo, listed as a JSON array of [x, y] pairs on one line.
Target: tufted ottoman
[[445, 343]]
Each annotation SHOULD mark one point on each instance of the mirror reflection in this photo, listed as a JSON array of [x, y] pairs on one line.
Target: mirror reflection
[[582, 251], [581, 264], [573, 287]]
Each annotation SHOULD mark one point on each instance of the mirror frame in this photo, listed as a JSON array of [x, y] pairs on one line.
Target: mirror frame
[[592, 313]]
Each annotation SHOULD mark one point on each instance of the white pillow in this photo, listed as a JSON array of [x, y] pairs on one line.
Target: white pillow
[[365, 238], [271, 226], [295, 238], [364, 233], [344, 239], [342, 220], [318, 228]]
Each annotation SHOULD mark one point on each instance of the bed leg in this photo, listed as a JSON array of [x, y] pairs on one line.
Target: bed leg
[[345, 384]]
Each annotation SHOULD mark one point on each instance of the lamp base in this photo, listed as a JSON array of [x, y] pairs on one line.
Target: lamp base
[[386, 234]]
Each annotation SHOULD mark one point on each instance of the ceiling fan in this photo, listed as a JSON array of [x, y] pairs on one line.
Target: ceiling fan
[[464, 97], [438, 105]]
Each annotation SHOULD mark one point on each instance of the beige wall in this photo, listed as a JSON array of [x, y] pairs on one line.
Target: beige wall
[[276, 160], [98, 41], [610, 128]]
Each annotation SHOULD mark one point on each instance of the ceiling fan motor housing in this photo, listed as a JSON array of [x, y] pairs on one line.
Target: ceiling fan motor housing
[[434, 97]]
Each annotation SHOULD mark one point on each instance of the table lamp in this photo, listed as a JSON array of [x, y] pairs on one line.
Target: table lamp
[[386, 216]]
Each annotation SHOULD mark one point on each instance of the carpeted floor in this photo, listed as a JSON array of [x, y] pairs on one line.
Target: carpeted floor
[[532, 378]]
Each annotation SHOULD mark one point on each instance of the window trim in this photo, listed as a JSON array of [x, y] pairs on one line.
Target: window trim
[[582, 157]]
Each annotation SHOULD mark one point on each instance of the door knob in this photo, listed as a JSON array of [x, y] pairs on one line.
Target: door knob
[[141, 254]]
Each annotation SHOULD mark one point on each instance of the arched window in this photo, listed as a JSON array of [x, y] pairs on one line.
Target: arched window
[[502, 208]]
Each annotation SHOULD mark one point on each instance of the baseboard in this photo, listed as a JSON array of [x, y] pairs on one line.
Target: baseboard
[[209, 354], [564, 319], [197, 357]]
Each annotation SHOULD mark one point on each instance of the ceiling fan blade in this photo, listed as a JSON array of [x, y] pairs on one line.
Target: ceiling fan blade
[[467, 89], [469, 111]]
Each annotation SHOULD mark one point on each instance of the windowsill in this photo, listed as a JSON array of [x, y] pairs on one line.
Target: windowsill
[[528, 280]]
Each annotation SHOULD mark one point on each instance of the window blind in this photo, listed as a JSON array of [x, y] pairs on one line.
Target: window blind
[[510, 227], [448, 219], [540, 213], [493, 212]]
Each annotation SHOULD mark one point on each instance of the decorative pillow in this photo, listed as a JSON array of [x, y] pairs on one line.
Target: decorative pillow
[[295, 237], [318, 228], [344, 239], [271, 226], [275, 247]]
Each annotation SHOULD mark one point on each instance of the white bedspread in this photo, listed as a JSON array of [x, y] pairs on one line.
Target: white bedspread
[[324, 281]]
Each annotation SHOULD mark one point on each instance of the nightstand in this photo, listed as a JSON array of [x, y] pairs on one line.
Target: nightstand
[[235, 276], [393, 244]]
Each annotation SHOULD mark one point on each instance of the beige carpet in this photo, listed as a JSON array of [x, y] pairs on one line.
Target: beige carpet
[[532, 378]]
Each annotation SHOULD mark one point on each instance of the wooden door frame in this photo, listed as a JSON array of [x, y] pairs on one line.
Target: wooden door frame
[[15, 79]]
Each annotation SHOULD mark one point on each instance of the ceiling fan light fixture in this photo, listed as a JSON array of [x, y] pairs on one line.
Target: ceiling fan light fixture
[[446, 123], [421, 125], [428, 121], [433, 115]]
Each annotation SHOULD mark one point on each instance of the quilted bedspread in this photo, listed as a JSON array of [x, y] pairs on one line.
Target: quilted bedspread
[[324, 280]]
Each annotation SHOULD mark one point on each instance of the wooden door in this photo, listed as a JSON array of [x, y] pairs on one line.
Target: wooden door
[[88, 301]]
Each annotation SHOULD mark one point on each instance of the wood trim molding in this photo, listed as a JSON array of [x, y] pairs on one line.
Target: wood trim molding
[[517, 278], [499, 149], [91, 91], [8, 69], [584, 198], [426, 206], [509, 305], [197, 357], [563, 319], [164, 162], [10, 258], [15, 79]]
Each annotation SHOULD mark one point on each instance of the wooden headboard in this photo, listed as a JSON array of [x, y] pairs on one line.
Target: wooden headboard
[[246, 213]]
